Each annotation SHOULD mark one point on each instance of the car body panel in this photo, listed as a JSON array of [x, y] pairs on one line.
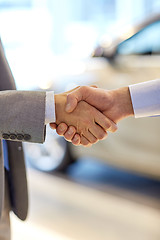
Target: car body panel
[[136, 144]]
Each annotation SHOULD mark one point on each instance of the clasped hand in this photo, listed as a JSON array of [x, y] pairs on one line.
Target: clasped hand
[[88, 122], [82, 122], [85, 114], [90, 112]]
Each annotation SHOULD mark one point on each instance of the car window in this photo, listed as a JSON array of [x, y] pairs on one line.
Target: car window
[[146, 41]]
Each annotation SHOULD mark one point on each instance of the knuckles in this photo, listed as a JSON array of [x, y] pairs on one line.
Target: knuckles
[[84, 88]]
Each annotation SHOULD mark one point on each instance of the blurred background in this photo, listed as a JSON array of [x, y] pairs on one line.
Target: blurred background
[[111, 190]]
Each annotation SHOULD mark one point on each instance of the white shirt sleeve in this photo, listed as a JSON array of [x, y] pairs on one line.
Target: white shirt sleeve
[[145, 98], [50, 108]]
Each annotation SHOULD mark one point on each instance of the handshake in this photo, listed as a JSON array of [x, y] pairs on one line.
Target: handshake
[[85, 114]]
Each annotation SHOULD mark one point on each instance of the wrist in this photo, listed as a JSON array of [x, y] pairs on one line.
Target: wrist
[[122, 100], [60, 101]]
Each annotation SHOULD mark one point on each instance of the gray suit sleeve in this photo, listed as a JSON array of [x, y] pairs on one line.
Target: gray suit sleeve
[[22, 115]]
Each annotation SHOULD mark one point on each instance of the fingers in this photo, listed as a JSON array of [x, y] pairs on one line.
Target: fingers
[[94, 86], [98, 132], [90, 137], [113, 127], [76, 140], [70, 91], [105, 123], [53, 125], [60, 129], [69, 134], [85, 142]]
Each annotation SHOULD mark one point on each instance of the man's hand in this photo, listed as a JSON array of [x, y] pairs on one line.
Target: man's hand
[[69, 133], [90, 124], [115, 104]]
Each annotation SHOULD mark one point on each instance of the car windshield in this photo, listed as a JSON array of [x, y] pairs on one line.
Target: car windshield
[[146, 41]]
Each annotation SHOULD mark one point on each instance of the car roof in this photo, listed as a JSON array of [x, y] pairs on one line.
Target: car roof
[[101, 51]]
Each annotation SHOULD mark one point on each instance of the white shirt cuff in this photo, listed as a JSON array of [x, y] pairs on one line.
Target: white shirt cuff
[[145, 98], [50, 108]]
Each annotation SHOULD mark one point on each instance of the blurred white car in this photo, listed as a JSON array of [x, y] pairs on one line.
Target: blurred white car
[[132, 57]]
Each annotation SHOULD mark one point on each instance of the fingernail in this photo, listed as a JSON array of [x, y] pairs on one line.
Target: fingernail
[[61, 128], [70, 131]]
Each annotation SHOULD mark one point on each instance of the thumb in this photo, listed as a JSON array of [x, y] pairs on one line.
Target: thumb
[[74, 97], [72, 102]]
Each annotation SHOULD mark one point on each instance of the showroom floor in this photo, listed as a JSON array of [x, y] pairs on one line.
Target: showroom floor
[[91, 202]]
